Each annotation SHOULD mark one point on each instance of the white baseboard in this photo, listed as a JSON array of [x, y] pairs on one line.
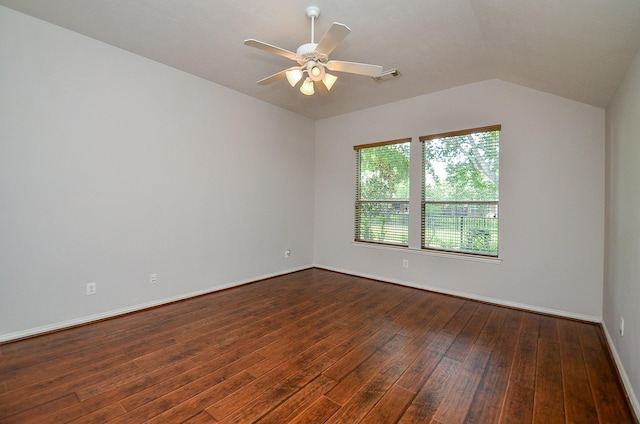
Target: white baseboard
[[111, 314], [623, 373], [485, 299]]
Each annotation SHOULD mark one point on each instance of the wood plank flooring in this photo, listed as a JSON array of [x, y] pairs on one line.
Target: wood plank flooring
[[312, 347]]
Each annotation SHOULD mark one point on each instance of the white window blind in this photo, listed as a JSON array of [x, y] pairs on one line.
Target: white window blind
[[461, 191], [382, 192]]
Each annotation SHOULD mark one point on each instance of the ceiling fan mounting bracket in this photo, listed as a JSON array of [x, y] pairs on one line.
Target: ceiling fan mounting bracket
[[313, 12]]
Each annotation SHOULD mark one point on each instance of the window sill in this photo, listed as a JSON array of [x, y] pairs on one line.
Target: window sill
[[414, 251]]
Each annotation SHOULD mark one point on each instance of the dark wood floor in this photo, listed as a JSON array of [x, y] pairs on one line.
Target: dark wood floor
[[312, 347]]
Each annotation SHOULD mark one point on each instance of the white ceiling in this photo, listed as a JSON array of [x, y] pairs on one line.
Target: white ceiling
[[579, 49]]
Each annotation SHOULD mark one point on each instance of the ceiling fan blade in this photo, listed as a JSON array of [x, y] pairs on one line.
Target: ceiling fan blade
[[354, 68], [277, 76], [271, 49], [332, 38], [273, 78], [322, 89]]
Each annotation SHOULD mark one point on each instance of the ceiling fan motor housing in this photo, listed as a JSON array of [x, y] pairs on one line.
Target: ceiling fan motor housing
[[308, 52]]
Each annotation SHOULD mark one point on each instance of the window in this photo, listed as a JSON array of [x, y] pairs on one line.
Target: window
[[460, 191], [382, 192]]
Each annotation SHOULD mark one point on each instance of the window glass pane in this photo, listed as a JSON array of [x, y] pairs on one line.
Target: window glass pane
[[383, 222], [384, 172], [382, 200], [461, 227], [460, 192], [463, 167]]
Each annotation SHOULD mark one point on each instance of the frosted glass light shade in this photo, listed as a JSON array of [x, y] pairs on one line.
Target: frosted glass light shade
[[293, 76], [307, 87], [329, 80], [316, 71]]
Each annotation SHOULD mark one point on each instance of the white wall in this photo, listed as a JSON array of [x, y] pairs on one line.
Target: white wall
[[113, 167], [622, 255], [551, 197]]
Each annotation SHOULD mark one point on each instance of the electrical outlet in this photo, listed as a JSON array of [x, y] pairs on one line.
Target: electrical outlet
[[153, 278], [287, 253], [405, 263], [91, 288], [621, 326]]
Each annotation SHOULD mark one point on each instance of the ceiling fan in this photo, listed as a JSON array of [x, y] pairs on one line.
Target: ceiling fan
[[313, 59]]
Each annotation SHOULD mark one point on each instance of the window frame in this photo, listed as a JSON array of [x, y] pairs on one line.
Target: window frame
[[424, 202], [359, 202]]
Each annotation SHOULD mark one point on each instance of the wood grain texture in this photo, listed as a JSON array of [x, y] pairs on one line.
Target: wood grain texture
[[311, 347]]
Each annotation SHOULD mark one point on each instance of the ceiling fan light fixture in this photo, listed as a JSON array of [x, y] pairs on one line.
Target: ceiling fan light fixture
[[294, 76], [315, 70], [329, 80], [307, 87]]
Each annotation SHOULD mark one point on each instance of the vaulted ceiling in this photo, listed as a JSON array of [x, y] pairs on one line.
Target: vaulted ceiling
[[578, 49]]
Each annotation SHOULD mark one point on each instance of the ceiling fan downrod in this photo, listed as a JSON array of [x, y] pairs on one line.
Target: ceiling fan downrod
[[312, 13]]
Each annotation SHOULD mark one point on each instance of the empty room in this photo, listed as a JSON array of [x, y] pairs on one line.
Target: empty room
[[319, 211]]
